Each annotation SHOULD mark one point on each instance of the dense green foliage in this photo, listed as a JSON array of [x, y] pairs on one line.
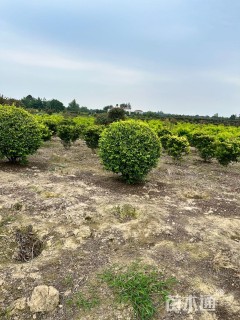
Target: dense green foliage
[[49, 106], [73, 106], [51, 121], [102, 119], [206, 138], [164, 140], [163, 132], [130, 148], [46, 133], [20, 134], [227, 152], [68, 134], [116, 114], [83, 123], [212, 141], [92, 135], [177, 147], [205, 144]]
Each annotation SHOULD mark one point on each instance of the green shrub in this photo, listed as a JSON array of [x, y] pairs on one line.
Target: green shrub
[[163, 132], [177, 147], [52, 125], [20, 134], [194, 138], [130, 148], [76, 132], [205, 145], [46, 133], [92, 136], [164, 140], [116, 114], [102, 119], [227, 152], [68, 134], [164, 135]]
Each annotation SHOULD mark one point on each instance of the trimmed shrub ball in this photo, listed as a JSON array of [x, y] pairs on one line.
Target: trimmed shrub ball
[[20, 134], [131, 148]]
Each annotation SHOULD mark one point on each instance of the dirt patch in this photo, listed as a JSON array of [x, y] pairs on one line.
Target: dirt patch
[[29, 245]]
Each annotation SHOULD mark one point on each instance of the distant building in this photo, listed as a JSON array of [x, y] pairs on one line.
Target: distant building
[[138, 111]]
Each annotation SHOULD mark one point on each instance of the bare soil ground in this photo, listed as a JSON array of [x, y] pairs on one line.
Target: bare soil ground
[[187, 225]]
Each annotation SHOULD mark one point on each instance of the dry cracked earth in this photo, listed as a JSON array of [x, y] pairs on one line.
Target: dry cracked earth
[[186, 224]]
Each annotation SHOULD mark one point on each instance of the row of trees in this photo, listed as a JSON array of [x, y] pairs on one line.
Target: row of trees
[[215, 119], [55, 106], [132, 146]]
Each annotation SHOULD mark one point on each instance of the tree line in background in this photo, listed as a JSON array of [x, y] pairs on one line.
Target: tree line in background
[[35, 105], [48, 106]]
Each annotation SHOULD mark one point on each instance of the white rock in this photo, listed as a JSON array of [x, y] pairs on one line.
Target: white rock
[[44, 299], [20, 304]]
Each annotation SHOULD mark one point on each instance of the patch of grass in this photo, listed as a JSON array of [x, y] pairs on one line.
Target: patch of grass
[[84, 302], [125, 212], [143, 286]]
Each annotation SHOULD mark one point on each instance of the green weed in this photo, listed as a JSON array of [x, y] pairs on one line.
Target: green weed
[[125, 213], [140, 285]]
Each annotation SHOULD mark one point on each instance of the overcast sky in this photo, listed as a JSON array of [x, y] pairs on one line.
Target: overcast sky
[[178, 56]]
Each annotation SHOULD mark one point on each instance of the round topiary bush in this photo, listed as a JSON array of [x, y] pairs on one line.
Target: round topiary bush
[[205, 145], [227, 151], [177, 147], [68, 134], [20, 134], [131, 148], [92, 135], [46, 133]]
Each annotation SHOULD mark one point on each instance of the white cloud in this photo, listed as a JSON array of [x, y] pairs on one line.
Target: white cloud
[[48, 60]]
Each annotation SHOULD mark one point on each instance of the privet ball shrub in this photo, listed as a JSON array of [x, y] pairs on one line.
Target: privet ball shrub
[[76, 132], [46, 133], [68, 134], [164, 140], [131, 148], [177, 147], [52, 124], [92, 136], [20, 134], [163, 132], [193, 138], [205, 145], [227, 152]]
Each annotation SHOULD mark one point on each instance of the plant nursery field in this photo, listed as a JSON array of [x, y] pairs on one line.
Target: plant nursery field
[[64, 221]]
